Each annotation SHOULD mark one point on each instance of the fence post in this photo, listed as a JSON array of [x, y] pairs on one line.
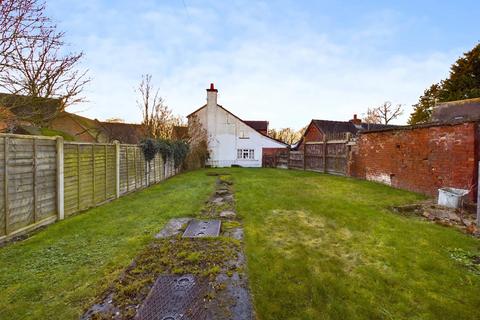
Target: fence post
[[304, 154], [34, 176], [117, 169], [135, 170], [325, 153], [478, 196], [93, 175], [5, 178], [106, 169], [128, 165], [60, 173], [78, 177]]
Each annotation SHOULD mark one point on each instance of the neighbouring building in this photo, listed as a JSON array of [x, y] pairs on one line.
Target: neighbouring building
[[20, 114], [318, 130], [231, 140], [131, 133], [77, 128], [460, 110]]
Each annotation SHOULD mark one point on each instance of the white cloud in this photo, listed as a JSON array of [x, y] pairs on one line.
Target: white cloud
[[287, 72]]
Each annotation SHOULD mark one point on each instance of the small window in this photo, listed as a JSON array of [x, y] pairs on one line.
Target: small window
[[246, 154], [243, 135]]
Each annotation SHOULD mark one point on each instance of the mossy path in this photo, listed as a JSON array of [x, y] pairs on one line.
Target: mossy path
[[216, 264]]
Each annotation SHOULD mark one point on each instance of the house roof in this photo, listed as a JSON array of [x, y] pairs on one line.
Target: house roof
[[468, 109], [130, 133], [244, 122], [29, 108], [89, 126], [330, 126], [259, 125]]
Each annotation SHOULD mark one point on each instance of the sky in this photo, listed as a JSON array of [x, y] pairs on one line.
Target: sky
[[283, 61]]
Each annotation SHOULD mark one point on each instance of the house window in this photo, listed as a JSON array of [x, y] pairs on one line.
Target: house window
[[246, 154], [243, 135]]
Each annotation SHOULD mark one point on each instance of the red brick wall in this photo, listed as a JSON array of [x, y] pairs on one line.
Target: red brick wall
[[419, 159], [311, 134]]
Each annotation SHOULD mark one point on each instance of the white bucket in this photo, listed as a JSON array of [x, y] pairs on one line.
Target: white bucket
[[451, 197]]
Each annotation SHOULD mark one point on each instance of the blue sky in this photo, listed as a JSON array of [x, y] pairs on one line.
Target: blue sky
[[282, 61]]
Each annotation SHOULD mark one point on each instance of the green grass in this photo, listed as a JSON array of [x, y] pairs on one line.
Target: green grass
[[326, 247], [51, 133], [58, 272], [318, 247]]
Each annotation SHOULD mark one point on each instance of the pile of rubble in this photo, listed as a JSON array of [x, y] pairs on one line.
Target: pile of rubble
[[463, 219]]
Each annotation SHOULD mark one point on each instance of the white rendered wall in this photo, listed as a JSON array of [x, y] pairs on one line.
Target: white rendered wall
[[225, 134]]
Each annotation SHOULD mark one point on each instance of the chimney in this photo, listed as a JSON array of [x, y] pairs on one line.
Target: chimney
[[212, 96], [355, 120]]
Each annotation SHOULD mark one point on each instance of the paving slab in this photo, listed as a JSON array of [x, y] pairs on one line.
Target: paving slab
[[172, 228], [202, 228]]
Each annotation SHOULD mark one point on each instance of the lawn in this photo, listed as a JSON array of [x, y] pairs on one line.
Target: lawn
[[327, 247], [318, 247], [58, 272]]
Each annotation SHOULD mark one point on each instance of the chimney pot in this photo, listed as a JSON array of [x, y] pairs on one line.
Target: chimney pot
[[356, 120], [212, 88]]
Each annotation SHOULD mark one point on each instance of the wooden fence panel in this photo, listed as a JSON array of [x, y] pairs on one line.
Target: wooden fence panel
[[86, 186], [29, 178], [71, 178], [45, 179], [329, 156], [314, 157], [111, 172], [337, 157], [89, 175], [2, 187], [295, 160], [20, 183]]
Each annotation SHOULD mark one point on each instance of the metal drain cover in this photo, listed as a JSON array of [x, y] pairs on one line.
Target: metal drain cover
[[202, 228], [175, 298]]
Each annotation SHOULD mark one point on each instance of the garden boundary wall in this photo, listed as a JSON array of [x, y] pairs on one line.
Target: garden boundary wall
[[44, 179], [420, 158]]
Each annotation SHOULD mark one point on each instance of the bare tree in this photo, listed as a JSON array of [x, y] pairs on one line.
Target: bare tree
[[199, 152], [384, 113], [372, 116], [33, 62], [287, 135], [157, 119], [19, 19]]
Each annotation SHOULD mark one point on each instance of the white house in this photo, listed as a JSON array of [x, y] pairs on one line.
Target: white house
[[231, 140]]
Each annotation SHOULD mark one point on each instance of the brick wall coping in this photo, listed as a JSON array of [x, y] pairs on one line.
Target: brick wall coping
[[421, 126]]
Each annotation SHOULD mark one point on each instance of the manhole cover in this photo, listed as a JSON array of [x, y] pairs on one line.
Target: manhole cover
[[202, 228], [174, 298]]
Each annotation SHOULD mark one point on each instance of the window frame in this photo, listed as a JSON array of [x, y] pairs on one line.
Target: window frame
[[245, 154]]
